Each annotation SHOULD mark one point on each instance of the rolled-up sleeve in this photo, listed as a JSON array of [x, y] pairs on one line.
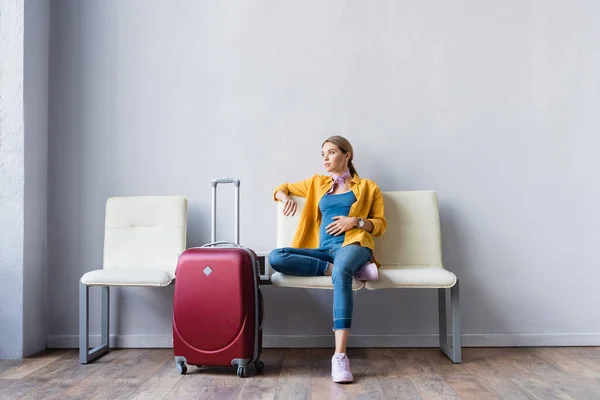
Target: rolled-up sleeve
[[299, 189], [376, 214]]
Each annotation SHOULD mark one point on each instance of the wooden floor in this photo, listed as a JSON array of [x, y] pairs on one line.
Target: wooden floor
[[486, 373]]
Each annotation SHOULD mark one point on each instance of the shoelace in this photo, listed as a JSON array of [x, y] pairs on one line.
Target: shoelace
[[341, 361]]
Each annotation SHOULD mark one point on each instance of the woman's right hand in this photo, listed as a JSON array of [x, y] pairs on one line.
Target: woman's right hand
[[290, 207]]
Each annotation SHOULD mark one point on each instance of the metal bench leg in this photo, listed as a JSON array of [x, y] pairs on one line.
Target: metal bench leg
[[452, 350], [85, 354]]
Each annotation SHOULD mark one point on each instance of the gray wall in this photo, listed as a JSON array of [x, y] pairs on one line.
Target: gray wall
[[35, 92], [24, 43], [12, 147], [491, 104]]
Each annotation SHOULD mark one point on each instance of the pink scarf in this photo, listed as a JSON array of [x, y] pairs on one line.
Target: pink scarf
[[338, 180]]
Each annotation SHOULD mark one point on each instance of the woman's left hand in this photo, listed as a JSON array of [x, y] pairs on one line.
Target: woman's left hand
[[340, 225]]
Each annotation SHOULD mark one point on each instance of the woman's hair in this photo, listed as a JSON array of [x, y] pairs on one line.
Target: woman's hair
[[345, 146]]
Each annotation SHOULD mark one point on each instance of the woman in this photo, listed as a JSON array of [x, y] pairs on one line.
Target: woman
[[334, 237]]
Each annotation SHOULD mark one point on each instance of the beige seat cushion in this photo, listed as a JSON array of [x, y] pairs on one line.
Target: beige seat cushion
[[395, 276], [134, 276], [308, 282]]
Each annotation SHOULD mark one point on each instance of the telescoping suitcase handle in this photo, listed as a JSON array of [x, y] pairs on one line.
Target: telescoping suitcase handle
[[213, 229]]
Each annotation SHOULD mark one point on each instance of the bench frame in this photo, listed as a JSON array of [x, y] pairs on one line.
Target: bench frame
[[85, 354], [450, 346], [449, 343]]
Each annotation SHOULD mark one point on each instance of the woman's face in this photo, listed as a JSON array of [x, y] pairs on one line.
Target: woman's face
[[334, 160]]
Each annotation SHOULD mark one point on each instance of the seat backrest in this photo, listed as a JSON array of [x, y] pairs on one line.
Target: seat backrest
[[145, 231], [286, 226], [413, 229]]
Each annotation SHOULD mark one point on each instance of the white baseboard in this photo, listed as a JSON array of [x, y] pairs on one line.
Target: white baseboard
[[326, 341]]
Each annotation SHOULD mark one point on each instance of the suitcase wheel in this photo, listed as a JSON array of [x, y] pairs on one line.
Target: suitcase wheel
[[181, 368], [259, 365], [241, 371]]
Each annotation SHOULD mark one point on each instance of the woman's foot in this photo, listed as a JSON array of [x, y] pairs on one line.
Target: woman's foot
[[340, 368], [368, 272]]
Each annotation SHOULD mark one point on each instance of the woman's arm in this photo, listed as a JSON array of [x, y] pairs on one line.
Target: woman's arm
[[283, 192], [348, 223], [290, 206], [368, 226], [299, 189], [281, 195], [376, 215]]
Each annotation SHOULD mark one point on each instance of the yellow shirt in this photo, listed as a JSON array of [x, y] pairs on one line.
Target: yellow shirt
[[368, 206]]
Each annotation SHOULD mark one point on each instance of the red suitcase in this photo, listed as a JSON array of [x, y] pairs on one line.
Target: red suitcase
[[217, 307]]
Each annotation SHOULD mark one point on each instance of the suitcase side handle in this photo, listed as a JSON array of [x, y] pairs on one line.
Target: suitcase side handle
[[213, 225]]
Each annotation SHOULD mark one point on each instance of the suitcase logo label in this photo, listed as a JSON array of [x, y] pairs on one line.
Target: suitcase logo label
[[207, 271]]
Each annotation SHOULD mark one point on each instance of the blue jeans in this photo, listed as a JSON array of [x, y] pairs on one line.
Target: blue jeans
[[313, 262]]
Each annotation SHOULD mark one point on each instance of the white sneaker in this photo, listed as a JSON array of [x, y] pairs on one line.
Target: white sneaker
[[368, 272], [340, 368]]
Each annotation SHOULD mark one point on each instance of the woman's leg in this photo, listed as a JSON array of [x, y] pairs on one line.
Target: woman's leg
[[300, 262], [341, 340], [347, 260]]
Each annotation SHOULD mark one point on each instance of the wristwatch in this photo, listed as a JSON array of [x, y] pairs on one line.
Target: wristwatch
[[361, 223]]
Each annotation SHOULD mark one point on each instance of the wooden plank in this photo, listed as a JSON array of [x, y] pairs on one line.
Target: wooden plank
[[469, 388], [196, 384], [421, 373], [59, 377], [503, 360], [588, 356], [68, 368], [53, 379], [463, 377], [6, 382], [6, 365], [160, 383], [161, 356], [18, 388], [434, 387], [531, 373], [393, 384], [117, 378], [566, 364], [225, 385], [577, 388], [295, 375], [410, 362], [31, 364], [264, 385], [472, 364], [540, 389], [537, 365], [504, 387]]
